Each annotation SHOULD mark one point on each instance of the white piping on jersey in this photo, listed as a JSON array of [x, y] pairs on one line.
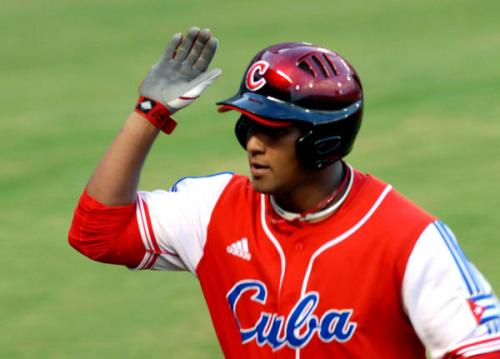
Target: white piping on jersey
[[290, 216], [343, 236], [146, 238], [272, 238], [476, 346], [145, 261], [336, 241]]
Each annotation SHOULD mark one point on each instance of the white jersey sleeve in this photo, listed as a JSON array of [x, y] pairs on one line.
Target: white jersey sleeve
[[450, 304], [173, 224]]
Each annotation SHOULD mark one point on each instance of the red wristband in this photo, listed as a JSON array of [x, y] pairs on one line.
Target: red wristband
[[155, 113]]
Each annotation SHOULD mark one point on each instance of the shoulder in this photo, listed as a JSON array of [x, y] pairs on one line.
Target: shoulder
[[219, 179], [188, 192], [394, 205], [216, 186], [394, 222]]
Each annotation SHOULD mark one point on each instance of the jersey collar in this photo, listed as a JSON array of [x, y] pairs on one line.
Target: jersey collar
[[323, 213]]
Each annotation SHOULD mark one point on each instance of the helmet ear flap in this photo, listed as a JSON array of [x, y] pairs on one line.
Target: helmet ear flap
[[241, 130], [318, 151]]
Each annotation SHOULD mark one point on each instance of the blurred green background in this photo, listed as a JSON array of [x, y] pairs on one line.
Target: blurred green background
[[69, 72]]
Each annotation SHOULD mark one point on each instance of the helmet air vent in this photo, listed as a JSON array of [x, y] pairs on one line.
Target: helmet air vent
[[305, 66], [319, 64], [329, 63]]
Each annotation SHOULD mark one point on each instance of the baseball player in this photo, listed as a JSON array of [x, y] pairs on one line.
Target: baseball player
[[307, 258]]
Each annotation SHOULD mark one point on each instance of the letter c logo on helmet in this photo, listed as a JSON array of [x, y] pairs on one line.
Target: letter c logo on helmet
[[259, 67]]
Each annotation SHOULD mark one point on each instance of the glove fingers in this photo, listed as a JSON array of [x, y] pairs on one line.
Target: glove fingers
[[198, 46], [206, 55], [171, 47], [186, 44]]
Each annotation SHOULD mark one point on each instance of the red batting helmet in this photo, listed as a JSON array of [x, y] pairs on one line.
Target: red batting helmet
[[306, 85]]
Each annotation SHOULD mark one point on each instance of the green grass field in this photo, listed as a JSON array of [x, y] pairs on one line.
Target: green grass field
[[69, 74]]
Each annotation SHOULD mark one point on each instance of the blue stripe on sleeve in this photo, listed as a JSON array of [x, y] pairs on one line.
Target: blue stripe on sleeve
[[469, 268], [174, 187], [482, 296], [462, 267], [488, 319]]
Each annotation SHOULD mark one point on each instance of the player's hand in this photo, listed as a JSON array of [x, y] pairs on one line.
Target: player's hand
[[181, 75]]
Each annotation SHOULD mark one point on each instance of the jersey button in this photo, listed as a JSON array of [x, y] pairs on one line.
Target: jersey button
[[299, 246]]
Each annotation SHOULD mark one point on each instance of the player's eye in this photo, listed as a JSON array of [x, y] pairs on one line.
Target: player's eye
[[273, 133], [246, 127], [276, 133]]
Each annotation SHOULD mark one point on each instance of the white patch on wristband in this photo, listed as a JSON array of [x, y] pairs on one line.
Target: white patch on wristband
[[146, 105]]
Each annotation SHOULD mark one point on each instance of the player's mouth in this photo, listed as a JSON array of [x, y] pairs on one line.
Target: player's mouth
[[258, 169]]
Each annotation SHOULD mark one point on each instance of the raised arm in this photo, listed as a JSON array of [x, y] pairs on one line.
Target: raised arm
[[176, 80], [104, 226]]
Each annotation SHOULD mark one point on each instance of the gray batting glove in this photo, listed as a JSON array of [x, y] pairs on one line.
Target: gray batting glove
[[180, 76]]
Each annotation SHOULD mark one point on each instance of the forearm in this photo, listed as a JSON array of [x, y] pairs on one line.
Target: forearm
[[116, 177]]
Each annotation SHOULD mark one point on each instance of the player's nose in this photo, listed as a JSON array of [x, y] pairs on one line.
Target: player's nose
[[255, 142]]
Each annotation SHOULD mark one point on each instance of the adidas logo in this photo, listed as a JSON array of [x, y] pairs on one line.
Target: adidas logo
[[240, 249]]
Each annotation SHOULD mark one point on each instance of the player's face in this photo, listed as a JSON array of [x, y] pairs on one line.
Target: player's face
[[274, 166]]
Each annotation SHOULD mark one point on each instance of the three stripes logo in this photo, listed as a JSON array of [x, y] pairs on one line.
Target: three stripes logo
[[240, 249]]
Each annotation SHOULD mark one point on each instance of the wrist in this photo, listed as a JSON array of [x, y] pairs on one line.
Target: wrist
[[156, 113]]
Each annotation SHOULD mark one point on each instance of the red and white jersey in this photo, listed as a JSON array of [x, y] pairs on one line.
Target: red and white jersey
[[380, 278]]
